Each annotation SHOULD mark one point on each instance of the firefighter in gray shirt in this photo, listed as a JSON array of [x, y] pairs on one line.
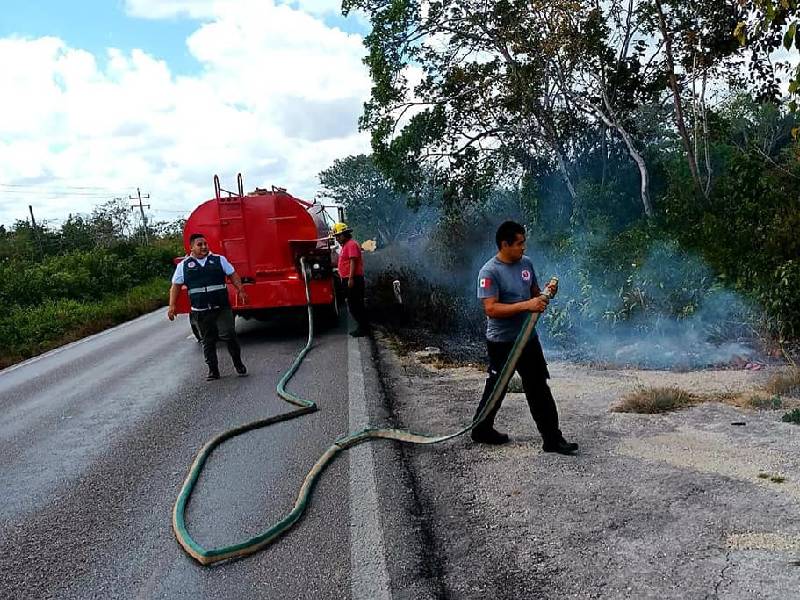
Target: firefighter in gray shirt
[[508, 289]]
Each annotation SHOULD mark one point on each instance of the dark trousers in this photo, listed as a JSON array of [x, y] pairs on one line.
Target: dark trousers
[[355, 300], [532, 368], [218, 324]]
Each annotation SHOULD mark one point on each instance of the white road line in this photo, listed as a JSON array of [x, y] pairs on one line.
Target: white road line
[[369, 578], [61, 349]]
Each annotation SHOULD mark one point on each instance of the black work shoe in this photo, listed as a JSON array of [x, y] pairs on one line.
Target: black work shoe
[[359, 332], [561, 447], [571, 445], [491, 436], [212, 374], [241, 370]]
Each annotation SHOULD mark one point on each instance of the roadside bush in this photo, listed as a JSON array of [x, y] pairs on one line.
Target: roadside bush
[[82, 275], [781, 300], [29, 330], [747, 232]]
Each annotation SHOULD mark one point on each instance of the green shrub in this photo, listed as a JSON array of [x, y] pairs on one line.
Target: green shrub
[[29, 330], [83, 276]]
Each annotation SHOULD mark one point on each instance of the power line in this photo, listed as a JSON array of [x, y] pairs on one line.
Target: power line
[[66, 187], [57, 194]]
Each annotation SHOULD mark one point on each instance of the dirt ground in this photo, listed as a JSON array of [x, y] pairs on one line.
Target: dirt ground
[[680, 505]]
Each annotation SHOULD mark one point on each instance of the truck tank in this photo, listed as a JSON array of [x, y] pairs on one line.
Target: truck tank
[[263, 234]]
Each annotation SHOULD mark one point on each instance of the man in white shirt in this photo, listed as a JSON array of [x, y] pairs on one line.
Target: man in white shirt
[[204, 274]]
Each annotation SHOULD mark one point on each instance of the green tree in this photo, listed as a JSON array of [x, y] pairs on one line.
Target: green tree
[[111, 222], [485, 105], [77, 233], [373, 206], [505, 87], [766, 26]]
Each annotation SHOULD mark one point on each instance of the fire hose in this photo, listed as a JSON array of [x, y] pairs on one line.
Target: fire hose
[[212, 555]]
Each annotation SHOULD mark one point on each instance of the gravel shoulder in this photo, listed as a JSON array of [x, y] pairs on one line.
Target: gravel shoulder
[[681, 505]]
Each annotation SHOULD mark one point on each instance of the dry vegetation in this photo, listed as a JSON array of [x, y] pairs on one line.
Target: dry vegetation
[[753, 400], [776, 395], [654, 400], [785, 383]]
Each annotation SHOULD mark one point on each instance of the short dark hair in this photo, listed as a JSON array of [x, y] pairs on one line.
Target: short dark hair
[[195, 236], [507, 232]]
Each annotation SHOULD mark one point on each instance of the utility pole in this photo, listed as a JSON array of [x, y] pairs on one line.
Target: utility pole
[[36, 232], [141, 210]]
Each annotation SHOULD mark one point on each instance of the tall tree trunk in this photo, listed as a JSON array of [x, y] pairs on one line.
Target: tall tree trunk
[[565, 174], [676, 97], [604, 154], [551, 136], [611, 120], [705, 134], [644, 174], [553, 141]]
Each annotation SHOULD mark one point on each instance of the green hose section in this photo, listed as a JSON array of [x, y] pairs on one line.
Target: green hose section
[[210, 556]]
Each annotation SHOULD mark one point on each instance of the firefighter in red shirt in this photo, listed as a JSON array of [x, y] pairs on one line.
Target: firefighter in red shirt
[[351, 272]]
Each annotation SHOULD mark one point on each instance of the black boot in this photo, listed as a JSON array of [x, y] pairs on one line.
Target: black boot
[[489, 436], [213, 373], [241, 370], [560, 446]]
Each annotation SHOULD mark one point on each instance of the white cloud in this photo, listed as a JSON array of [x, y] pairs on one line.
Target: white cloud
[[168, 9], [210, 9], [277, 97]]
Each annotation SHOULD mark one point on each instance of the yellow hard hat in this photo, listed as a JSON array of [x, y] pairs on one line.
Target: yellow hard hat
[[340, 228]]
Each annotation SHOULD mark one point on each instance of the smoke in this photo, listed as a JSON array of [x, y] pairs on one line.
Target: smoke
[[648, 303], [666, 310]]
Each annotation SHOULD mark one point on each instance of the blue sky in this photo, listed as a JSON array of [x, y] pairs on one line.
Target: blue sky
[[95, 25], [117, 94]]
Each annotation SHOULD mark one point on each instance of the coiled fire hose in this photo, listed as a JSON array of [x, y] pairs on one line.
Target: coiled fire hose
[[209, 556]]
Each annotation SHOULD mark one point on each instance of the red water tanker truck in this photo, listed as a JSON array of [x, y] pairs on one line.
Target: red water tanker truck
[[264, 234]]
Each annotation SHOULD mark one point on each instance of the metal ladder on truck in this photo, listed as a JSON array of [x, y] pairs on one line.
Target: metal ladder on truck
[[232, 228]]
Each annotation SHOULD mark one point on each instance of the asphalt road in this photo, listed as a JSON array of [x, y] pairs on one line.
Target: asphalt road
[[96, 438]]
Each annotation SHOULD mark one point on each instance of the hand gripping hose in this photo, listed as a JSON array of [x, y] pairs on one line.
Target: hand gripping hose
[[209, 556]]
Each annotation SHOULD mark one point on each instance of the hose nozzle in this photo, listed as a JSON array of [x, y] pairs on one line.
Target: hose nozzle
[[551, 287]]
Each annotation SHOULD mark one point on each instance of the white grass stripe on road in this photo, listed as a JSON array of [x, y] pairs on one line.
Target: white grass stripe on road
[[369, 579]]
